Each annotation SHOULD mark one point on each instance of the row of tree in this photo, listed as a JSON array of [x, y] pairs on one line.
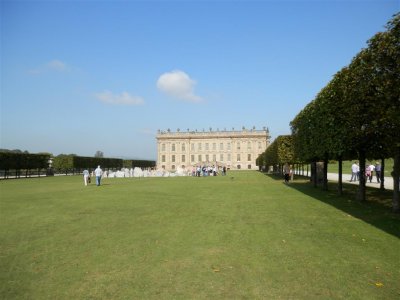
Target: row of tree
[[357, 114], [18, 162], [68, 163]]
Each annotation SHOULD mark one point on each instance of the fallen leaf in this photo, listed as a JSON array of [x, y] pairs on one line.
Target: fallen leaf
[[216, 270]]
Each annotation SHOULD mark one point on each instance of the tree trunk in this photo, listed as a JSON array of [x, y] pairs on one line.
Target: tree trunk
[[314, 174], [382, 177], [396, 183], [361, 188], [340, 176], [325, 178]]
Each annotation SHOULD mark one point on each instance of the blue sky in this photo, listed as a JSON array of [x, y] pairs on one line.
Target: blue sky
[[82, 76]]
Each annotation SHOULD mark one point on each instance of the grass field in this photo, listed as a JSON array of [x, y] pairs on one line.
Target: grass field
[[243, 236]]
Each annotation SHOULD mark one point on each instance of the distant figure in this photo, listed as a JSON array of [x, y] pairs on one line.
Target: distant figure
[[371, 168], [368, 173], [378, 169], [86, 177], [355, 169], [224, 170], [98, 172], [286, 172]]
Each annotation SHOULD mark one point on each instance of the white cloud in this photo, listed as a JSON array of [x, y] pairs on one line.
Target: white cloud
[[122, 99], [51, 66], [179, 85], [56, 65]]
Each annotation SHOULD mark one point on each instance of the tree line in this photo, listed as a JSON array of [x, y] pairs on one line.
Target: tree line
[[355, 116], [18, 162]]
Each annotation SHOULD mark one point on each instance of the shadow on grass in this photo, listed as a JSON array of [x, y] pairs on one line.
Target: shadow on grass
[[375, 211]]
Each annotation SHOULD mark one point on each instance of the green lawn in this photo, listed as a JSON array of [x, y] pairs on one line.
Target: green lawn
[[243, 236]]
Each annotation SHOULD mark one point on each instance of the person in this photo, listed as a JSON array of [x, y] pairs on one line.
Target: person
[[224, 170], [368, 173], [98, 172], [354, 172], [286, 172], [86, 177], [378, 169], [371, 168]]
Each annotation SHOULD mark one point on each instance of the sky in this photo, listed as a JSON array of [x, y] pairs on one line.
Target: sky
[[84, 76]]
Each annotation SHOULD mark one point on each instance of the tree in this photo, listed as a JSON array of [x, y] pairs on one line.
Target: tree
[[99, 154]]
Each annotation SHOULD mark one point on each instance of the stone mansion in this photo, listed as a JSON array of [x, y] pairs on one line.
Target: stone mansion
[[233, 149]]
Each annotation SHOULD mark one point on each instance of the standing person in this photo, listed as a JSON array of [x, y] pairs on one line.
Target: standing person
[[371, 168], [368, 173], [224, 170], [286, 172], [378, 169], [354, 172], [86, 177], [98, 172]]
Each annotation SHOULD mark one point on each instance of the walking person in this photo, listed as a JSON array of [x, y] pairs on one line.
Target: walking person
[[368, 173], [98, 172], [86, 177], [354, 171], [371, 168], [286, 172], [378, 169]]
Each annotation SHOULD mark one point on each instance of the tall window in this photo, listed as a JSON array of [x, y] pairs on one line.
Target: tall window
[[214, 157], [199, 157], [238, 146], [228, 146], [206, 146], [214, 146], [183, 147], [199, 146], [207, 157], [221, 146], [192, 158], [248, 145], [192, 146], [221, 157], [173, 147], [238, 157], [183, 158], [173, 158], [162, 147], [229, 157], [259, 145], [249, 157], [162, 158]]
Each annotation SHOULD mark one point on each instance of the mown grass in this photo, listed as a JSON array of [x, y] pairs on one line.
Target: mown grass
[[245, 235]]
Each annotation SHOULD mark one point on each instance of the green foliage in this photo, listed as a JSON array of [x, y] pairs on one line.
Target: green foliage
[[280, 151], [19, 161], [139, 163], [358, 112], [359, 108]]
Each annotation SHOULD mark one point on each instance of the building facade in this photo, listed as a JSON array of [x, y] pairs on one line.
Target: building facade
[[233, 149]]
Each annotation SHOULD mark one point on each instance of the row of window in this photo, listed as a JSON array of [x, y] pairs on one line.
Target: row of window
[[206, 158], [207, 146]]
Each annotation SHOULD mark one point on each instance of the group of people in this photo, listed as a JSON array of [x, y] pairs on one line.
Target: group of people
[[369, 172], [207, 171], [98, 172]]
